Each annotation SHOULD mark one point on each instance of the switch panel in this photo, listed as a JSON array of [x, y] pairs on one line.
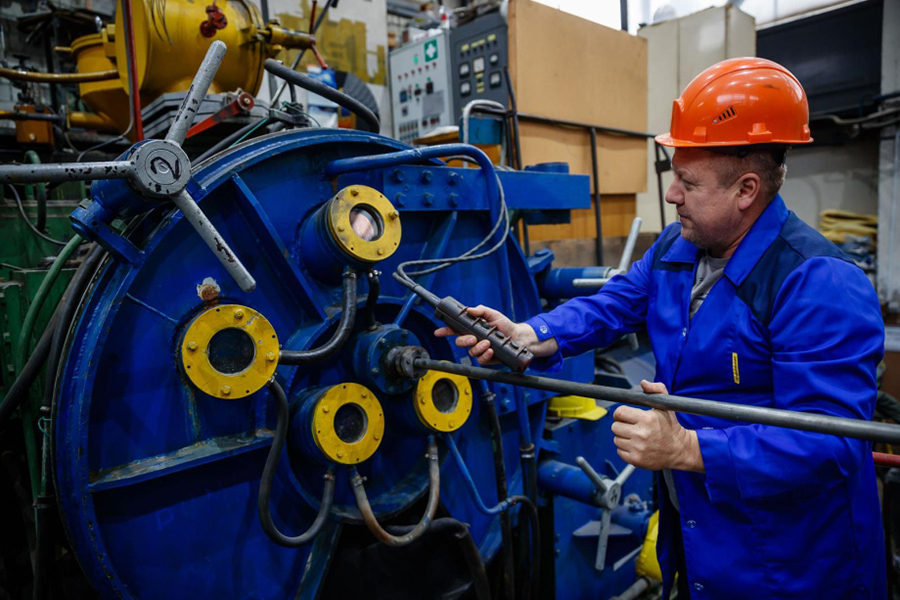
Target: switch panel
[[421, 96], [480, 53]]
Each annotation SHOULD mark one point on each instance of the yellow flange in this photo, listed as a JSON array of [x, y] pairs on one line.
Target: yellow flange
[[364, 223], [230, 351], [443, 401], [360, 427]]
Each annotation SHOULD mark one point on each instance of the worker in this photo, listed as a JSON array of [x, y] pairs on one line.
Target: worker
[[743, 303]]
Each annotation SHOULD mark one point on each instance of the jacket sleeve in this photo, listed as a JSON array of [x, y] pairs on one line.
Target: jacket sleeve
[[827, 338], [595, 321]]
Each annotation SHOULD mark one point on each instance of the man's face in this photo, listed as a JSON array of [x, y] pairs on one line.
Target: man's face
[[709, 214]]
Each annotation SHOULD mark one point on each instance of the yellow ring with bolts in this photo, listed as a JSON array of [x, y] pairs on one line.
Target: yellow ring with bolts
[[230, 351], [364, 223], [443, 401], [357, 443]]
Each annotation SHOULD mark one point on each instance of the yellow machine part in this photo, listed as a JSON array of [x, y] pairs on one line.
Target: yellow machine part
[[169, 48], [355, 397], [443, 401], [647, 563], [364, 223], [196, 357], [575, 407]]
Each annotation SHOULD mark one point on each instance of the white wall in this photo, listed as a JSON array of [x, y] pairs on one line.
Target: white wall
[[889, 180]]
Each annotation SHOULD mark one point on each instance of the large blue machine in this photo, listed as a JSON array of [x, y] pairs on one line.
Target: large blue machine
[[241, 411]]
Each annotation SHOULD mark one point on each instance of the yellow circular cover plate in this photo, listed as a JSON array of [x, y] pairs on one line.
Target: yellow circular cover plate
[[367, 204], [230, 318], [325, 435], [443, 401]]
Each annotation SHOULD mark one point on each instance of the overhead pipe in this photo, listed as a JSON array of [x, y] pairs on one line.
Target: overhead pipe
[[38, 77]]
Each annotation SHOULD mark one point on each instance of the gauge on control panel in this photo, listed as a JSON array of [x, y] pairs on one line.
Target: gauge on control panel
[[495, 58], [464, 69], [465, 88], [495, 79], [478, 65]]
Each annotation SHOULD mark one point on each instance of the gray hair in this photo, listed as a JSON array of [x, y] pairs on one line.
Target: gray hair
[[764, 162]]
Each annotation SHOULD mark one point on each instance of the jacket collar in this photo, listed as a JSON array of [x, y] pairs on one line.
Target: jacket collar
[[757, 241], [761, 235]]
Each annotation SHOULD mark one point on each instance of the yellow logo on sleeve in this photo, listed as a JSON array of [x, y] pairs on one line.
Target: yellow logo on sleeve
[[734, 368]]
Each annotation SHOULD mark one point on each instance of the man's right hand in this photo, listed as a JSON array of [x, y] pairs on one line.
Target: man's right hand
[[518, 332]]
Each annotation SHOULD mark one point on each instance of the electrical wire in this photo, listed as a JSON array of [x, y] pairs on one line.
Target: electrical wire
[[443, 263], [28, 222]]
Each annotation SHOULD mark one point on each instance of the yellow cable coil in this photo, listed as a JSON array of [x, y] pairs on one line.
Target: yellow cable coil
[[647, 564], [836, 224]]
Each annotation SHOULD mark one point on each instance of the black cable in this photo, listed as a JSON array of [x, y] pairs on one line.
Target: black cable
[[506, 550], [467, 545], [28, 222], [341, 334], [268, 477], [531, 509], [18, 391], [45, 505], [317, 87]]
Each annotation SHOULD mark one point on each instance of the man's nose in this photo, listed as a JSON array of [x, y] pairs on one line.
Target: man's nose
[[674, 195]]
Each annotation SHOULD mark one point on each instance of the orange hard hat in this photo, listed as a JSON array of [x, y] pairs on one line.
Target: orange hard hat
[[738, 102]]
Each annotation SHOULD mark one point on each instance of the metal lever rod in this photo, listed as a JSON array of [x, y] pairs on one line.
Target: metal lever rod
[[595, 477], [214, 241], [62, 172], [804, 421], [625, 474], [197, 92], [625, 261]]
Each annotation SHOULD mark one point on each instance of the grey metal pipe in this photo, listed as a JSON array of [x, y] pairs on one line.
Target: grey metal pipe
[[214, 241], [197, 92], [625, 261], [591, 283], [61, 172], [842, 426], [637, 588]]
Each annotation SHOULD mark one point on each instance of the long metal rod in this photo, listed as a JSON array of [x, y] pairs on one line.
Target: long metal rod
[[595, 179], [184, 118], [576, 124], [854, 428], [60, 172], [36, 77], [214, 241]]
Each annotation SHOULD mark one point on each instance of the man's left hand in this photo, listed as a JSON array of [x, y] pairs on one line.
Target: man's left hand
[[654, 439]]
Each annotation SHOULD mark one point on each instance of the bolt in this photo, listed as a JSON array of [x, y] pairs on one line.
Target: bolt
[[399, 200], [238, 314], [270, 356], [192, 346], [428, 199], [354, 192], [365, 395], [381, 252], [226, 391], [340, 227], [450, 423], [326, 408], [421, 399], [467, 391], [427, 176], [340, 454], [393, 215], [374, 370], [399, 176], [454, 199], [454, 179], [376, 437]]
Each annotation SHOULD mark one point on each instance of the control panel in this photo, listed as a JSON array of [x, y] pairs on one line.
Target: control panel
[[421, 97], [480, 54]]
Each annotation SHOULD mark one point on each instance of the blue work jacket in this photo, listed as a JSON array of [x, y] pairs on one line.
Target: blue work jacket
[[792, 324]]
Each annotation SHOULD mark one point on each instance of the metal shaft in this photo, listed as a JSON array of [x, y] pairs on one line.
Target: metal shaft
[[197, 92], [214, 241], [853, 428], [60, 172]]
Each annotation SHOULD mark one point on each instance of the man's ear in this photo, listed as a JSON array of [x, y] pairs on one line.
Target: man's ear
[[749, 190]]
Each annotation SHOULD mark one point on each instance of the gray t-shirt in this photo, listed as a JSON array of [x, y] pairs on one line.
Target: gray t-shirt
[[709, 271]]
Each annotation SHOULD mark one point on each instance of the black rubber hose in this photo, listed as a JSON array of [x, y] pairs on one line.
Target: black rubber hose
[[18, 391], [66, 310], [372, 299], [532, 511], [268, 476], [317, 87], [341, 334], [506, 550], [467, 545]]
